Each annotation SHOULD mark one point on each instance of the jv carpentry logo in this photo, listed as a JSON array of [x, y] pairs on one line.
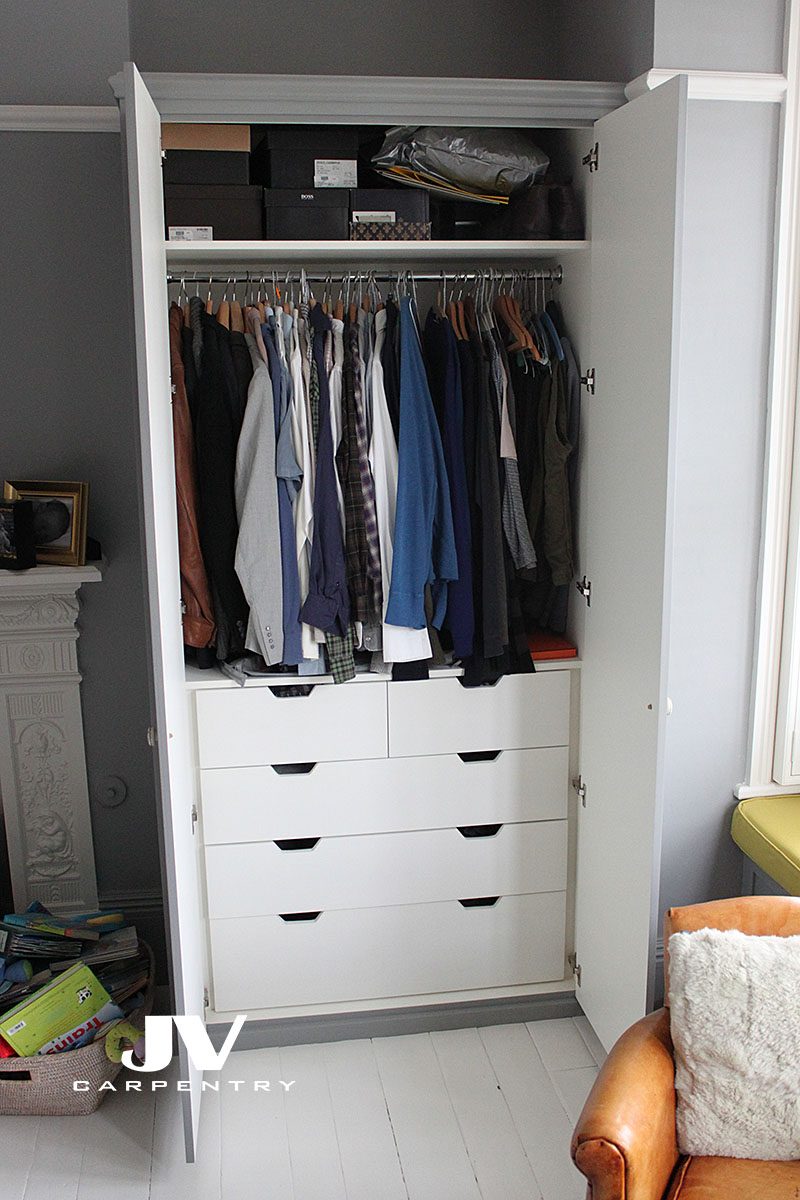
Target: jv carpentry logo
[[203, 1056]]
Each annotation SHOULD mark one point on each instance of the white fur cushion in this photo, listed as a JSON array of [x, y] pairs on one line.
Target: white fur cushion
[[735, 1017]]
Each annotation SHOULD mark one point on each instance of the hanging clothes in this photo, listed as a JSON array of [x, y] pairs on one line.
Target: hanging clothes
[[400, 644], [328, 603], [198, 614], [424, 542], [215, 444], [444, 373], [258, 549]]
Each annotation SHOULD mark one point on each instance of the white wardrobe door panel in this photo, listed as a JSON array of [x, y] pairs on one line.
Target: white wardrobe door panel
[[252, 726], [251, 804], [627, 430], [385, 868], [264, 962], [439, 716], [141, 127]]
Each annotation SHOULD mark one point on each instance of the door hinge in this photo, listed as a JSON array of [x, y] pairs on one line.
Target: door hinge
[[572, 959], [206, 1000], [194, 817], [591, 159], [579, 785], [588, 381], [183, 607], [584, 586], [152, 735]]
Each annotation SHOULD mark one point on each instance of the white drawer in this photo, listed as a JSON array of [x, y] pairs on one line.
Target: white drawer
[[252, 804], [265, 962], [250, 726], [254, 878], [439, 716]]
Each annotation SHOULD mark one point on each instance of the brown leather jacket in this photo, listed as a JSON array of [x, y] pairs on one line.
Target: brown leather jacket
[[198, 612]]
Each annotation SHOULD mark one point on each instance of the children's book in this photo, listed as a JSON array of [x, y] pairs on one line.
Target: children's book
[[59, 1015]]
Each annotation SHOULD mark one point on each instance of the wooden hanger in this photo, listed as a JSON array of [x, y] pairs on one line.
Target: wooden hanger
[[452, 315], [237, 317], [338, 309]]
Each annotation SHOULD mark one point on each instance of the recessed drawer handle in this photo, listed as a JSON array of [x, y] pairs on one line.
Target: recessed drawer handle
[[296, 843], [471, 686], [292, 691], [300, 916], [479, 831], [293, 768], [479, 902], [480, 756]]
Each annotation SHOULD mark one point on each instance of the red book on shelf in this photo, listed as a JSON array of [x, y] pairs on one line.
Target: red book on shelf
[[545, 645]]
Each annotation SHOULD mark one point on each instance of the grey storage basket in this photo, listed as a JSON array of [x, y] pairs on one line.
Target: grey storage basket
[[41, 1085]]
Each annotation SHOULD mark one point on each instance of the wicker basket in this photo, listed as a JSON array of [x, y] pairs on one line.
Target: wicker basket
[[41, 1085]]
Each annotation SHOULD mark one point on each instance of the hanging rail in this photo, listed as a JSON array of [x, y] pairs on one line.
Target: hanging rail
[[283, 277]]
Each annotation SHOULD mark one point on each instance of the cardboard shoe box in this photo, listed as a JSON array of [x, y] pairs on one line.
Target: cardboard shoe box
[[206, 154], [306, 156], [292, 214], [389, 214], [230, 213]]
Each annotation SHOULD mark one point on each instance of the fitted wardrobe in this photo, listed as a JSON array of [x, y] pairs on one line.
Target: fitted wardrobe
[[410, 846]]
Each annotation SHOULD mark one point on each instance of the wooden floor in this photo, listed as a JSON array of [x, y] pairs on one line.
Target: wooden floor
[[470, 1114]]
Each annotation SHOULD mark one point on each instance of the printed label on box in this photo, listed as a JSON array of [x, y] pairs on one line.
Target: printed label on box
[[191, 233], [375, 218], [336, 172], [16, 1028]]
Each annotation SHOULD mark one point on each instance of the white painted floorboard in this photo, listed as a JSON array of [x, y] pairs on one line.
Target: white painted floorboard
[[470, 1114]]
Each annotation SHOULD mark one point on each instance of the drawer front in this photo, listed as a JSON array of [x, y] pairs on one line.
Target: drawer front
[[251, 879], [439, 716], [253, 804], [251, 726], [265, 962]]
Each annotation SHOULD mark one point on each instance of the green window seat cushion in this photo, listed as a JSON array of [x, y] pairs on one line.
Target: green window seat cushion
[[767, 829]]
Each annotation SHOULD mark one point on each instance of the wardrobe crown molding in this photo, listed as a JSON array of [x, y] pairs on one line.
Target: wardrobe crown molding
[[751, 86], [379, 100]]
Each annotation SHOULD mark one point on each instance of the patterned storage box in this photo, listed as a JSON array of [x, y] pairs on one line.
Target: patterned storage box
[[390, 231], [42, 1084]]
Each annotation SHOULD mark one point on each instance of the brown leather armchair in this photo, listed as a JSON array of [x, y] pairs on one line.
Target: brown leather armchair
[[624, 1142]]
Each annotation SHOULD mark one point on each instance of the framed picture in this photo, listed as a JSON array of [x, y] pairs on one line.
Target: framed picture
[[17, 549], [59, 518]]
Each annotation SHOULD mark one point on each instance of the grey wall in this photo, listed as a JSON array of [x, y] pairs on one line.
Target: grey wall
[[69, 413], [724, 315], [719, 35], [56, 53], [603, 39], [511, 39]]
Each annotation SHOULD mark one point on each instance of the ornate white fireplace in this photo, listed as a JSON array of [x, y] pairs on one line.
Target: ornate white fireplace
[[43, 787]]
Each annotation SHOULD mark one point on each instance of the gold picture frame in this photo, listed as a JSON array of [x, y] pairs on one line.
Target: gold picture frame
[[60, 536]]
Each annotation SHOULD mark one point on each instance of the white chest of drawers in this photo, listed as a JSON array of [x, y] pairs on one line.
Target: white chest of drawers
[[381, 842]]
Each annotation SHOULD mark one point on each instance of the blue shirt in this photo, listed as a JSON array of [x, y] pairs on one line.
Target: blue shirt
[[424, 543]]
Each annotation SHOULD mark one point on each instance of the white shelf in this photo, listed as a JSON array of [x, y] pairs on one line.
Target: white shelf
[[250, 256]]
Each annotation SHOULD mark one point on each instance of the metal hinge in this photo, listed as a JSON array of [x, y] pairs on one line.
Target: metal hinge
[[183, 608], [152, 735], [584, 586], [590, 160], [588, 381], [194, 817], [206, 1000], [579, 785], [572, 959]]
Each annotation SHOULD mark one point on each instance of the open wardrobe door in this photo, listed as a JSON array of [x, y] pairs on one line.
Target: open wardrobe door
[[141, 126], [628, 429]]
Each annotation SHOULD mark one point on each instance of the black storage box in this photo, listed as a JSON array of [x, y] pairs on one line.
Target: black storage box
[[234, 213], [206, 166], [292, 215], [287, 155], [405, 204]]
